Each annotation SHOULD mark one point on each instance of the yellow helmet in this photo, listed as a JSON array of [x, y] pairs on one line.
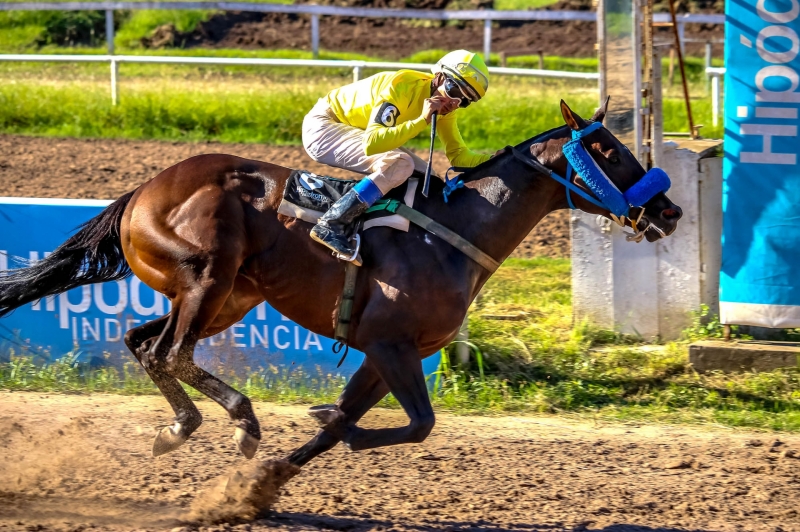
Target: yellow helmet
[[467, 69]]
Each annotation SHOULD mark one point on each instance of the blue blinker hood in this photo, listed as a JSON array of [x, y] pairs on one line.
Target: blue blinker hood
[[611, 198]]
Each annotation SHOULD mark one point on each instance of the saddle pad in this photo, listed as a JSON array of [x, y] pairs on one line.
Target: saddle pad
[[308, 196]]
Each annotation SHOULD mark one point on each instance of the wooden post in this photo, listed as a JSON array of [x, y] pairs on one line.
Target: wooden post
[[541, 60], [503, 59], [315, 36], [657, 134]]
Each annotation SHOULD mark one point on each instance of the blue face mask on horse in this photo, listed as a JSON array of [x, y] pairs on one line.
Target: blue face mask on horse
[[608, 196]]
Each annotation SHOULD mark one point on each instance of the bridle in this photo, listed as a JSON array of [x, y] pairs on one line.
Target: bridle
[[604, 193]]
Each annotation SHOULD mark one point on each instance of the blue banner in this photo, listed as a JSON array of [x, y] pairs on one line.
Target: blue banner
[[95, 318], [760, 276]]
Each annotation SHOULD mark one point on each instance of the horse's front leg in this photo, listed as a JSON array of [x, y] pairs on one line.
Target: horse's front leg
[[400, 368], [363, 391]]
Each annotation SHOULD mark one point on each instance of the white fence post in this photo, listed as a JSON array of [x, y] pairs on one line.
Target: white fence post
[[356, 73], [682, 37], [487, 40], [314, 35], [114, 70], [715, 103], [708, 64]]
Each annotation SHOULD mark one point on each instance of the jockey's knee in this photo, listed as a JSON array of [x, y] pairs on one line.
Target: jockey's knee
[[393, 170]]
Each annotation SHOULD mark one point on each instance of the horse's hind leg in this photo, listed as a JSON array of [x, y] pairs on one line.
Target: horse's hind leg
[[187, 416], [362, 392], [206, 287]]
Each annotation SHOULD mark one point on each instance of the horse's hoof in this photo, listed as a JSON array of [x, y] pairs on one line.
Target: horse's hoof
[[326, 415], [248, 445], [168, 439]]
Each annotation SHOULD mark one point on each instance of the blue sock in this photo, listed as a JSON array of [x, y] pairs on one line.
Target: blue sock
[[368, 192]]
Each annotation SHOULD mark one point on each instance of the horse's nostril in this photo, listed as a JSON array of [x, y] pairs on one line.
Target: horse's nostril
[[671, 215]]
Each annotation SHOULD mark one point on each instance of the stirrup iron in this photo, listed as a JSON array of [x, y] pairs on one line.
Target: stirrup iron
[[354, 257]]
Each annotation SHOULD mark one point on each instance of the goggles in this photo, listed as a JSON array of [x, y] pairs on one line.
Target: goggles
[[453, 90]]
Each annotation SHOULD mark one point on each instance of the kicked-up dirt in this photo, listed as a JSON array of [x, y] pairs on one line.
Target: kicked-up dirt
[[107, 169], [82, 463]]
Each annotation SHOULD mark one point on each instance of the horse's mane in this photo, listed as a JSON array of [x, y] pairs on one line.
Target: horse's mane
[[476, 171]]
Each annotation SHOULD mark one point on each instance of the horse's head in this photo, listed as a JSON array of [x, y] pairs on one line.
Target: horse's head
[[611, 181]]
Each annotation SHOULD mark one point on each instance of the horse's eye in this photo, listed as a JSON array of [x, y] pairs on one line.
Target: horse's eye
[[614, 159]]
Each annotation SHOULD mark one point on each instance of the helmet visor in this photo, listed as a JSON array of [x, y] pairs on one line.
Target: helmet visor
[[468, 75]]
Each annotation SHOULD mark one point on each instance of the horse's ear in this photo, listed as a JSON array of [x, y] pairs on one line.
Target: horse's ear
[[572, 118], [600, 114]]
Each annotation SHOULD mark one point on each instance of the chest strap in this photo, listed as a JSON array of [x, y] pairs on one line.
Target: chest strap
[[437, 229]]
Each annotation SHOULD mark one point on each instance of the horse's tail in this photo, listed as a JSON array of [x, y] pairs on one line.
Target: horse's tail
[[92, 255]]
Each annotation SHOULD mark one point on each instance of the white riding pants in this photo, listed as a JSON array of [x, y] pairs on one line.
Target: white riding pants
[[328, 141]]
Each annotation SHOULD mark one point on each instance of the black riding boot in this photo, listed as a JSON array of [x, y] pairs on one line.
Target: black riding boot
[[331, 227]]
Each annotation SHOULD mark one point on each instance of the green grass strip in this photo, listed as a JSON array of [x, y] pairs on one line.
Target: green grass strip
[[267, 111]]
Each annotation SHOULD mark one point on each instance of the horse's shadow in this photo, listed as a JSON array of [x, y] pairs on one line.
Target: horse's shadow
[[357, 524]]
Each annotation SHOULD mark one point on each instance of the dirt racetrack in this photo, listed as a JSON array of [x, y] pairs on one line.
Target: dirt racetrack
[[78, 463], [107, 169]]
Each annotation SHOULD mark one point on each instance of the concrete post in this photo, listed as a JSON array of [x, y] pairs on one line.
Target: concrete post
[[647, 289]]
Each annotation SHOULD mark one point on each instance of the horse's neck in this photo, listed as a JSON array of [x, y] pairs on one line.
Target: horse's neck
[[513, 199]]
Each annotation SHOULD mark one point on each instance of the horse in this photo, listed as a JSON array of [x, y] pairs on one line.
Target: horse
[[206, 234]]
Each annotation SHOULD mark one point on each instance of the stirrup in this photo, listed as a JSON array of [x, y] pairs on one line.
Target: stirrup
[[354, 258]]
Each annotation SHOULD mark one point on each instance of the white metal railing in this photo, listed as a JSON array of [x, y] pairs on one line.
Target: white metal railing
[[356, 66], [316, 11], [716, 95]]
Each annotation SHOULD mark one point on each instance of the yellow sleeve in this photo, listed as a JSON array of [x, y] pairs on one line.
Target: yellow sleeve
[[384, 134], [457, 152]]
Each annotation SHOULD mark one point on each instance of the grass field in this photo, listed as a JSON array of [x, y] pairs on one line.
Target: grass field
[[236, 105], [539, 363]]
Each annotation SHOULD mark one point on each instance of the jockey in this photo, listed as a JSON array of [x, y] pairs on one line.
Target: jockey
[[363, 126]]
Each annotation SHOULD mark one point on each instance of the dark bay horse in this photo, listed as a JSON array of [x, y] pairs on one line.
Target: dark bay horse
[[206, 234]]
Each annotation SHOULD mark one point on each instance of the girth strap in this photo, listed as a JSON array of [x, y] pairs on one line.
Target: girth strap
[[345, 310], [437, 229]]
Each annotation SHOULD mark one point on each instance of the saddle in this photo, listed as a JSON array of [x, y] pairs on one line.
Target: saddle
[[308, 196]]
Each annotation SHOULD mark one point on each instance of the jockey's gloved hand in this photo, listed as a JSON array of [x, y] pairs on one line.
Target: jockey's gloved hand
[[438, 104]]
